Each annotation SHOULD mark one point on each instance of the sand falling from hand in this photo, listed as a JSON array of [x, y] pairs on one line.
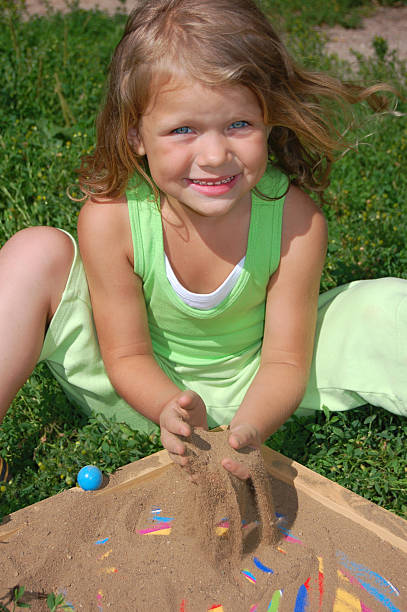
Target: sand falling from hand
[[219, 498]]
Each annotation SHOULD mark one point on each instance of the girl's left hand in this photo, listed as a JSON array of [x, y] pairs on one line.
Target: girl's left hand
[[240, 436], [181, 413]]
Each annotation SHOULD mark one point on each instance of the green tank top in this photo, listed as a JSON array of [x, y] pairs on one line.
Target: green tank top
[[214, 352]]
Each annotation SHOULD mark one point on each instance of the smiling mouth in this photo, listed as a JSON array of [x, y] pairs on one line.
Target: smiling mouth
[[223, 181]]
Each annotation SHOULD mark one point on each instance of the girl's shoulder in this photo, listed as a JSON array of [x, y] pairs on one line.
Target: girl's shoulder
[[102, 213], [104, 223], [303, 223], [299, 205]]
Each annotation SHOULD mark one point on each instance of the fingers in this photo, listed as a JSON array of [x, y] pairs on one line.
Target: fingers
[[174, 423], [236, 442], [172, 442], [179, 459], [186, 399], [194, 408], [183, 412], [244, 435], [240, 436], [237, 469], [187, 407], [173, 420]]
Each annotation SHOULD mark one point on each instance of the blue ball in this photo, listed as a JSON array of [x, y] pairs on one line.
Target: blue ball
[[90, 478]]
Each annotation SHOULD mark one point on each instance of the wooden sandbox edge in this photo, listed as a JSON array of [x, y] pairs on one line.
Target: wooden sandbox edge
[[384, 524]]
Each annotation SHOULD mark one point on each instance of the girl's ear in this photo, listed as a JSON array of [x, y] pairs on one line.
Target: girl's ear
[[135, 141]]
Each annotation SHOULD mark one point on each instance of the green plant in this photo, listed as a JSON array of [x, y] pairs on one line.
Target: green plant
[[380, 46], [17, 595], [57, 602]]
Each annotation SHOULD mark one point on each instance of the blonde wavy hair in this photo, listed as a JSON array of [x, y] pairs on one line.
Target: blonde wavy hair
[[218, 42]]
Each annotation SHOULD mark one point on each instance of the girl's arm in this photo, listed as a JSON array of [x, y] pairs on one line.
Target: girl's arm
[[291, 311], [121, 323]]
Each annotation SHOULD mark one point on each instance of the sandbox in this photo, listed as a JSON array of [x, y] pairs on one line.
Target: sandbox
[[122, 549]]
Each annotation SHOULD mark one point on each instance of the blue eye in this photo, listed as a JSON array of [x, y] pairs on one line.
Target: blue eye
[[239, 124], [182, 130]]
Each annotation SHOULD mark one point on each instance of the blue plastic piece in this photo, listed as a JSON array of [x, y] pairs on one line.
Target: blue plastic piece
[[90, 478]]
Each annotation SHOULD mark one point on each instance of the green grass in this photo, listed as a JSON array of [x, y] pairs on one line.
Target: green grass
[[52, 73], [363, 450]]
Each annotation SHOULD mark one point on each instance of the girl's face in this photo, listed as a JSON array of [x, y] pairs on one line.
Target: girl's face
[[206, 146]]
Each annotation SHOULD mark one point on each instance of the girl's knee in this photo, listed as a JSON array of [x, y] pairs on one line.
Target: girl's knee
[[38, 259], [42, 247]]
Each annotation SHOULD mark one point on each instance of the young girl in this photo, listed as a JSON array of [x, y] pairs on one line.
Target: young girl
[[203, 253]]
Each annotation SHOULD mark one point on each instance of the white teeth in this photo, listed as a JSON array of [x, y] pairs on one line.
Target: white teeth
[[209, 183]]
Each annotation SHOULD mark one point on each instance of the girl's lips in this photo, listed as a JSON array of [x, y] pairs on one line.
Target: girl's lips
[[216, 186]]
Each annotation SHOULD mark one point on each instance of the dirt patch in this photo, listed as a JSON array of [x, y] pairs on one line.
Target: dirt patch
[[141, 549], [388, 23], [40, 7]]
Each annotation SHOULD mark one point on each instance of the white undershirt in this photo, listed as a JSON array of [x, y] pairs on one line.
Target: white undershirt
[[204, 301]]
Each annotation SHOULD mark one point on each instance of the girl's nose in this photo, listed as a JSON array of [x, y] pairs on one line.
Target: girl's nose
[[213, 150]]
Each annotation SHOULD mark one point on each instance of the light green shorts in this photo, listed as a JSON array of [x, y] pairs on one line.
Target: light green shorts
[[71, 351], [360, 353]]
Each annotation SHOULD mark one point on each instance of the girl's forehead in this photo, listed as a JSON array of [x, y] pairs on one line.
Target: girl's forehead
[[179, 86], [165, 84]]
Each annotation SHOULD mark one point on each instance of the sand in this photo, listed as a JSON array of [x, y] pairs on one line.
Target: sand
[[175, 545]]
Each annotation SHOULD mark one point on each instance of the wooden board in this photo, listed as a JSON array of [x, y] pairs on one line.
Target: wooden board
[[388, 526]]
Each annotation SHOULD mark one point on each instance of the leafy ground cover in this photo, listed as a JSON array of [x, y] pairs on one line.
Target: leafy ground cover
[[52, 72]]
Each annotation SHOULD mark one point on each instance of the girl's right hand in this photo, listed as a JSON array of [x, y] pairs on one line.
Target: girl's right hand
[[185, 410]]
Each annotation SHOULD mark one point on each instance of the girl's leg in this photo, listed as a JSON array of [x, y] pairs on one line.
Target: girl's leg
[[34, 268], [360, 354]]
